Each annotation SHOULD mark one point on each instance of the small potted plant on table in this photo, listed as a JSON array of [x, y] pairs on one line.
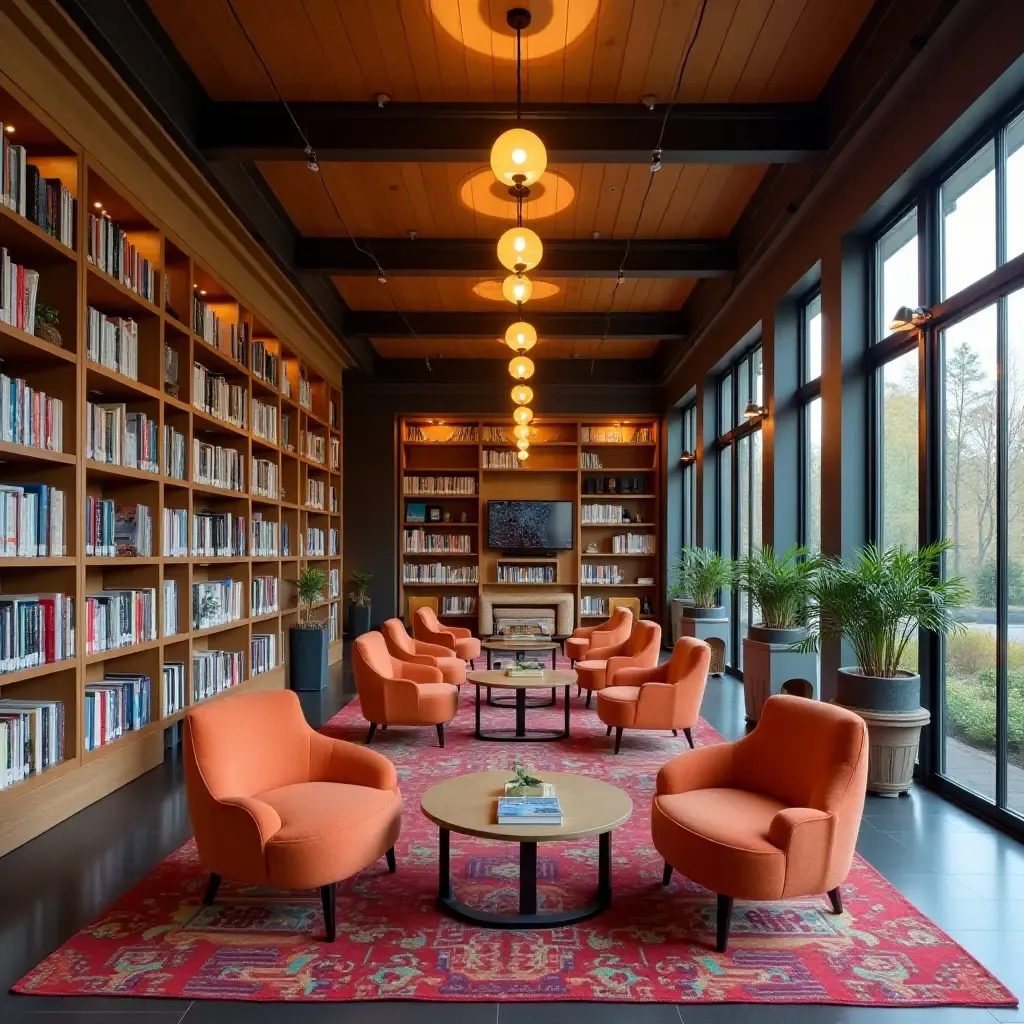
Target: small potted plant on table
[[698, 577], [877, 603], [308, 639], [781, 589], [359, 604]]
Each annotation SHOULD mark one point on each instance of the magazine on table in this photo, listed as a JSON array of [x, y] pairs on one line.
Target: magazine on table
[[529, 810]]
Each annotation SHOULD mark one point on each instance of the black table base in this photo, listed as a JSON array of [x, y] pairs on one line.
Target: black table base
[[533, 701], [528, 916], [520, 734]]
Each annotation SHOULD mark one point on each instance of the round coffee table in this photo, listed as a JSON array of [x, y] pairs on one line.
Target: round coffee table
[[520, 647], [548, 680], [468, 804]]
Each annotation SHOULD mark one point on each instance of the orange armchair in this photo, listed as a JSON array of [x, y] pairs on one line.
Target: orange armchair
[[608, 634], [418, 652], [394, 692], [667, 696], [772, 816], [639, 650], [427, 627], [276, 804]]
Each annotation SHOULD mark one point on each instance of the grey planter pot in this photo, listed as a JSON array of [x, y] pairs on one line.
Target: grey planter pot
[[770, 666], [358, 620], [307, 652], [855, 690], [710, 624]]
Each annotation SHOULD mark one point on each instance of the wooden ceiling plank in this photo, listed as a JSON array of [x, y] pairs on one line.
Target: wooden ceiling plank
[[643, 30], [546, 72], [689, 182], [418, 30], [389, 26], [612, 184], [478, 55], [736, 50], [587, 196], [666, 52], [711, 189], [662, 189], [590, 293], [451, 56], [613, 25], [627, 216], [307, 71], [467, 222], [503, 51], [329, 29], [723, 215], [366, 49], [640, 299], [438, 199], [836, 40], [421, 201], [792, 77], [581, 28], [391, 182], [622, 295], [708, 45], [778, 26]]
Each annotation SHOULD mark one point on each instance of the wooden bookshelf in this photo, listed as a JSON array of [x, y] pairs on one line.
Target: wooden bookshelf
[[72, 283], [457, 447]]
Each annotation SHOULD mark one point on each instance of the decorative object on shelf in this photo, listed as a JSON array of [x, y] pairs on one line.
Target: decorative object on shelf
[[308, 639], [877, 603], [448, 517], [592, 549], [171, 370], [645, 606], [698, 576], [462, 517], [47, 320], [416, 512], [359, 604], [434, 514]]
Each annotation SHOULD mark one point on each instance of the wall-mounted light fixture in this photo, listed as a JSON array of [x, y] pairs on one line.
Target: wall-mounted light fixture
[[688, 458], [753, 411], [906, 318]]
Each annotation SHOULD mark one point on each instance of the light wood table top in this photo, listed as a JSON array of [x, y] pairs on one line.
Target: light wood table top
[[468, 804], [498, 679], [519, 645]]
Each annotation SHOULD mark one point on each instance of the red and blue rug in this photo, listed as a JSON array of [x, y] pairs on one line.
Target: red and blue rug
[[654, 945]]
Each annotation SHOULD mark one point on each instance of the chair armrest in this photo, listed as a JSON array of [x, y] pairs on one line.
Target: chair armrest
[[249, 820], [704, 768], [805, 835], [419, 673], [459, 632], [583, 632], [334, 760], [430, 650], [627, 676], [419, 658], [602, 638], [603, 653], [441, 639]]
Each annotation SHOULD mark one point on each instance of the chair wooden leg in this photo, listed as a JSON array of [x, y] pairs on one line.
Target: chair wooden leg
[[370, 732], [211, 888], [675, 732], [590, 693], [327, 894], [609, 732], [666, 875], [392, 866], [618, 738], [579, 689], [689, 737], [837, 900], [384, 727], [724, 920], [440, 735]]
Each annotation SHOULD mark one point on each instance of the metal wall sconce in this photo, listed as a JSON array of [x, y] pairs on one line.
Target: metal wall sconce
[[753, 411], [906, 318], [687, 458]]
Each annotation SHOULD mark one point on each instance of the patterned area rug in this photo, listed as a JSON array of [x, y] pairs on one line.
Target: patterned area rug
[[653, 945]]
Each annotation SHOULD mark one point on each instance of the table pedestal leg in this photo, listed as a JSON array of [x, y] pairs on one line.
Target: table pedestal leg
[[604, 869], [478, 712], [520, 712], [567, 712], [444, 876], [527, 878]]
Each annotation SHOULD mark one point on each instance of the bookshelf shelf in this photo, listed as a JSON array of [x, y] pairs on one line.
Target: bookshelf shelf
[[47, 775], [106, 291], [120, 652], [16, 344], [23, 675], [17, 232], [96, 560], [113, 385], [11, 452], [36, 562], [222, 628], [129, 472]]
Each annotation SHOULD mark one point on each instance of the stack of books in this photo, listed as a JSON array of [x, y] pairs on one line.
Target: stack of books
[[31, 521], [31, 738], [529, 810]]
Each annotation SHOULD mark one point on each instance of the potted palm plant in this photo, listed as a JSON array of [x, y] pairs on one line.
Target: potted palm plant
[[308, 638], [877, 602], [359, 604], [781, 589], [698, 577]]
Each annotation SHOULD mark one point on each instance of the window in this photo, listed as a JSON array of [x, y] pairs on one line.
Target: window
[[690, 477], [968, 203], [812, 340], [810, 423], [1013, 220], [898, 496], [896, 272]]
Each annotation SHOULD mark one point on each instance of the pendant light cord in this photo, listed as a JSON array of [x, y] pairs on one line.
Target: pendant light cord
[[655, 166], [315, 167]]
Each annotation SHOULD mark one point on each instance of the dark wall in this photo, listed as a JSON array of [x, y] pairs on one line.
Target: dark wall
[[371, 411]]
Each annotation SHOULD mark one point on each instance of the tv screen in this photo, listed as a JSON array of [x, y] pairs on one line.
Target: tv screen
[[530, 525]]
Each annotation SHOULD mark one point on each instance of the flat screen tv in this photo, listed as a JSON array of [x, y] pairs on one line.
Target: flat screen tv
[[530, 525]]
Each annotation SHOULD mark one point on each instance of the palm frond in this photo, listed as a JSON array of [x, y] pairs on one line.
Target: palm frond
[[699, 574]]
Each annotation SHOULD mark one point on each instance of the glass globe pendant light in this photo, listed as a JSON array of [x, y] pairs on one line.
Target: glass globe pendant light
[[522, 445], [522, 432], [521, 336], [521, 367], [522, 456], [517, 288], [522, 394], [523, 415], [520, 249]]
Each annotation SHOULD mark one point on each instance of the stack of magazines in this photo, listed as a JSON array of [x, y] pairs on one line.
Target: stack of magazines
[[529, 805]]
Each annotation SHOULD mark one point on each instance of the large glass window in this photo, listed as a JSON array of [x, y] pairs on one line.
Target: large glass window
[[810, 423], [899, 499], [811, 538], [968, 203], [1013, 220], [689, 472], [1015, 553], [896, 271]]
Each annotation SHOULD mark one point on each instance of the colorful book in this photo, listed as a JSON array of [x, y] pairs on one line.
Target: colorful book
[[529, 810]]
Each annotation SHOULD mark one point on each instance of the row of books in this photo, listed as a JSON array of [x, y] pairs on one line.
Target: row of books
[[113, 342], [633, 544], [175, 452], [333, 623], [214, 672], [333, 541], [117, 437], [335, 453], [332, 414], [313, 544], [615, 485], [616, 435], [263, 595], [171, 624], [437, 572], [305, 393], [264, 420], [264, 537], [115, 530], [458, 605], [19, 287], [44, 201], [214, 466], [265, 364], [314, 447], [262, 652], [113, 252], [526, 573], [119, 618], [175, 532], [218, 535], [423, 541], [501, 460], [29, 416], [264, 478], [212, 394], [334, 583], [316, 490], [612, 515], [216, 603], [35, 629], [593, 606], [333, 497], [286, 432], [174, 696], [31, 521], [439, 485], [31, 738], [117, 705], [590, 460], [603, 575]]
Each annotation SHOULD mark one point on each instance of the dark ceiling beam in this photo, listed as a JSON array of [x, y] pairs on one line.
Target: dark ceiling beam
[[466, 257], [389, 324], [732, 133]]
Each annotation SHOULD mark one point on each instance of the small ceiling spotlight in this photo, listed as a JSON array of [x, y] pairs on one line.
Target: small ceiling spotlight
[[688, 458], [648, 101], [754, 411], [656, 161], [311, 159], [595, 234], [905, 318], [413, 234], [382, 279], [383, 99]]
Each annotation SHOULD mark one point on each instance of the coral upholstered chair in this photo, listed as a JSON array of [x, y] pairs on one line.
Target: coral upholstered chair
[[427, 627], [639, 650], [667, 696], [394, 692], [419, 652], [276, 804], [608, 634], [772, 816]]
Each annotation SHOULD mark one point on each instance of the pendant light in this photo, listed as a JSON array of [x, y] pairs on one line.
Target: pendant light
[[521, 367], [522, 431], [517, 288], [522, 394], [522, 445], [521, 336], [520, 249], [522, 456], [523, 415]]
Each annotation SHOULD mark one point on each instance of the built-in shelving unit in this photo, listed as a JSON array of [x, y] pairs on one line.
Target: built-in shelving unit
[[195, 318], [591, 462]]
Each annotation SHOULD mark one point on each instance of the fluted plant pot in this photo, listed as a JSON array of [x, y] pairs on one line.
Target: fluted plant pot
[[771, 665], [704, 623]]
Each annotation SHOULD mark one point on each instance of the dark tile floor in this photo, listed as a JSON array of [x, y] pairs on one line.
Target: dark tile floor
[[964, 875]]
